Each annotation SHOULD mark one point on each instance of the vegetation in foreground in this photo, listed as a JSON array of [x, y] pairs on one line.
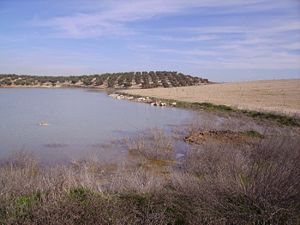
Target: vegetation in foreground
[[216, 183], [144, 79]]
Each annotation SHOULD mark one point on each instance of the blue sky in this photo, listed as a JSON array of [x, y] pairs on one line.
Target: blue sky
[[220, 40]]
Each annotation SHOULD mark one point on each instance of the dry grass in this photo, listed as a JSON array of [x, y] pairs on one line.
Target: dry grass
[[153, 145], [216, 184], [281, 96]]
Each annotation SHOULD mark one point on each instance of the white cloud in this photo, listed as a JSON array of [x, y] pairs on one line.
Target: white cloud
[[195, 38], [114, 16], [251, 43]]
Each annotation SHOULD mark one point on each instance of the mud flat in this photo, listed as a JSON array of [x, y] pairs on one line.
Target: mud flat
[[280, 96]]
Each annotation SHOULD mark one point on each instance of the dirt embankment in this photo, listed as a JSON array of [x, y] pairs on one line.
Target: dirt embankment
[[281, 96], [223, 136]]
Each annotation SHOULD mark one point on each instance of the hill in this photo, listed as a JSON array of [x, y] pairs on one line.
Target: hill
[[281, 96], [108, 80]]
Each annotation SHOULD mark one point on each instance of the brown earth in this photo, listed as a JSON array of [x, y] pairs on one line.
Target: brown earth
[[281, 96], [220, 136]]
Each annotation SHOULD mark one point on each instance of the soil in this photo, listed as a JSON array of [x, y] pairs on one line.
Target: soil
[[276, 96], [220, 136]]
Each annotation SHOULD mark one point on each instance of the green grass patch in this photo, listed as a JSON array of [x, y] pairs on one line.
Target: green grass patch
[[212, 107], [253, 134], [26, 201], [23, 205], [79, 194], [281, 119]]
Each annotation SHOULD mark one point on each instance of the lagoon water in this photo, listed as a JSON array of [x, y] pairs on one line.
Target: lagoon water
[[79, 120]]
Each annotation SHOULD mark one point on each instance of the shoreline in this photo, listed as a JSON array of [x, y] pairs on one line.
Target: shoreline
[[275, 116], [151, 184], [275, 96], [282, 119]]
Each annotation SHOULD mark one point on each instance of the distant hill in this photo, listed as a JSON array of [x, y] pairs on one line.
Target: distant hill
[[108, 80]]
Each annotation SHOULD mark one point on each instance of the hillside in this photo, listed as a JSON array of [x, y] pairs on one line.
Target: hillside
[[108, 80], [281, 96]]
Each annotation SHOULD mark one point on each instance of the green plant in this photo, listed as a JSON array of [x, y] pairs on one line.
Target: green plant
[[79, 194], [253, 133]]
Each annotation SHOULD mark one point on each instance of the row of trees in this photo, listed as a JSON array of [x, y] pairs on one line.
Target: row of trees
[[111, 80]]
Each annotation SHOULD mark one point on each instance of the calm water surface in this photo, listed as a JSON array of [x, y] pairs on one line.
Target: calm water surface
[[79, 121]]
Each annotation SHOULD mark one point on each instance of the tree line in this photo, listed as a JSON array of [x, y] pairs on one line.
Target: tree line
[[143, 79]]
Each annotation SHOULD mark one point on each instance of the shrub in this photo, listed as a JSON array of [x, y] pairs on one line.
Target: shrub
[[259, 185], [138, 78], [216, 184], [111, 81], [87, 81]]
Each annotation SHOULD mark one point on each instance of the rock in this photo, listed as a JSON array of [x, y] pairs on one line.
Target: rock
[[120, 97], [140, 99], [43, 123], [113, 95]]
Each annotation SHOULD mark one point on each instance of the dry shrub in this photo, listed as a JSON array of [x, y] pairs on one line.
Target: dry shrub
[[153, 150], [138, 181], [219, 184], [255, 185], [75, 194], [154, 144]]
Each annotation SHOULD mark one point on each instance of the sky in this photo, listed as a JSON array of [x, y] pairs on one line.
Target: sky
[[222, 40]]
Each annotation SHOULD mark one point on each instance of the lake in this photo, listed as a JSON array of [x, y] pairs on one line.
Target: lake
[[80, 121]]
